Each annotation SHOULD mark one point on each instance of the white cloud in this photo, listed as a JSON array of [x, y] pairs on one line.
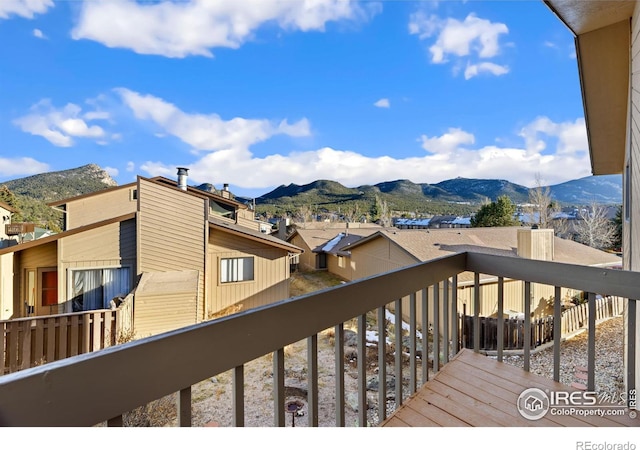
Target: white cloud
[[11, 167], [180, 29], [383, 103], [130, 166], [472, 38], [208, 132], [448, 142], [473, 70], [58, 126], [39, 34], [571, 137], [451, 154], [24, 8]]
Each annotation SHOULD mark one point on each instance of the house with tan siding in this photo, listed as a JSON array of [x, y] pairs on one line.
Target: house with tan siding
[[185, 254], [313, 236], [391, 249]]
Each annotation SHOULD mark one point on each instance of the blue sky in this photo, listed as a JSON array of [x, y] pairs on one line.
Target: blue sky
[[259, 93]]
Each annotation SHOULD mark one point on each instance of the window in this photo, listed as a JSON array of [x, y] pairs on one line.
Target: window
[[95, 288], [236, 269]]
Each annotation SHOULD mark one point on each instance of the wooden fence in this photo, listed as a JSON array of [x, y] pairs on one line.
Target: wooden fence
[[573, 319], [33, 341]]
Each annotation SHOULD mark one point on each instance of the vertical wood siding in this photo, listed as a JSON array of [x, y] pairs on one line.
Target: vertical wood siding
[[112, 245], [171, 230], [6, 286], [106, 205], [33, 258], [307, 258], [271, 273]]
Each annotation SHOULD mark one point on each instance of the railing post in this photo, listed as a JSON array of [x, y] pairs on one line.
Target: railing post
[[631, 348], [527, 325], [476, 312], [557, 332], [382, 364], [398, 353], [436, 327], [445, 322], [184, 407], [362, 370], [412, 344], [454, 314], [339, 363], [278, 387], [312, 380], [591, 342], [425, 335], [500, 331], [238, 396]]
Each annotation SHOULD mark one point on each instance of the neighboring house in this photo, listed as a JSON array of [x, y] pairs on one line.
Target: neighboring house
[[433, 222], [317, 234], [6, 212], [190, 253], [607, 46], [393, 249]]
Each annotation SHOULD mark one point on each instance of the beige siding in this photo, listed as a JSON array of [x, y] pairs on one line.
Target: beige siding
[[535, 244], [171, 232], [340, 265], [43, 256], [106, 205], [271, 273], [165, 301], [378, 256], [6, 286], [112, 245], [308, 258], [158, 313]]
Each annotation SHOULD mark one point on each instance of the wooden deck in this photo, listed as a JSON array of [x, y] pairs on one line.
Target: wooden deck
[[473, 390]]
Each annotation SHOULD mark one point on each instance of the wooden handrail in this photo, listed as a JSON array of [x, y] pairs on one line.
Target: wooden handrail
[[57, 394]]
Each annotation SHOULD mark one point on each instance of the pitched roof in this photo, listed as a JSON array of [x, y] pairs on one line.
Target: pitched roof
[[252, 234], [55, 237], [9, 208], [425, 245], [314, 238]]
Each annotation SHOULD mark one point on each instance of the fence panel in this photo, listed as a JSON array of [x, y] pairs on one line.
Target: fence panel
[[32, 341]]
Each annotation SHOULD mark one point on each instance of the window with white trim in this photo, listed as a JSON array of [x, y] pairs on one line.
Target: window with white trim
[[95, 288], [233, 270]]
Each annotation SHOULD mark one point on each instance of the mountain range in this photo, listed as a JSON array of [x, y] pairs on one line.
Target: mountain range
[[455, 196], [605, 189]]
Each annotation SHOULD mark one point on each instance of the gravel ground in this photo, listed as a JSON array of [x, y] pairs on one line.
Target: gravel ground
[[212, 401], [573, 353]]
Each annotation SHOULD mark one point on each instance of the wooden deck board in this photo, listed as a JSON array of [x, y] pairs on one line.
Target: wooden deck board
[[474, 390]]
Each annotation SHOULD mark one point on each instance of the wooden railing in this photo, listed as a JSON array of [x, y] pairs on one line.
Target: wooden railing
[[57, 394], [34, 341]]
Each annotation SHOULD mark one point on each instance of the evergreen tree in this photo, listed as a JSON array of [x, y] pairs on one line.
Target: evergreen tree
[[495, 214]]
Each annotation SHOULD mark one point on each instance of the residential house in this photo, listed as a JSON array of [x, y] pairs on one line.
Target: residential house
[[311, 237], [187, 254], [389, 249], [6, 212]]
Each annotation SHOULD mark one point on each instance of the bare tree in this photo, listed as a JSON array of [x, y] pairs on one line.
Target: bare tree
[[305, 214], [594, 228], [541, 205]]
